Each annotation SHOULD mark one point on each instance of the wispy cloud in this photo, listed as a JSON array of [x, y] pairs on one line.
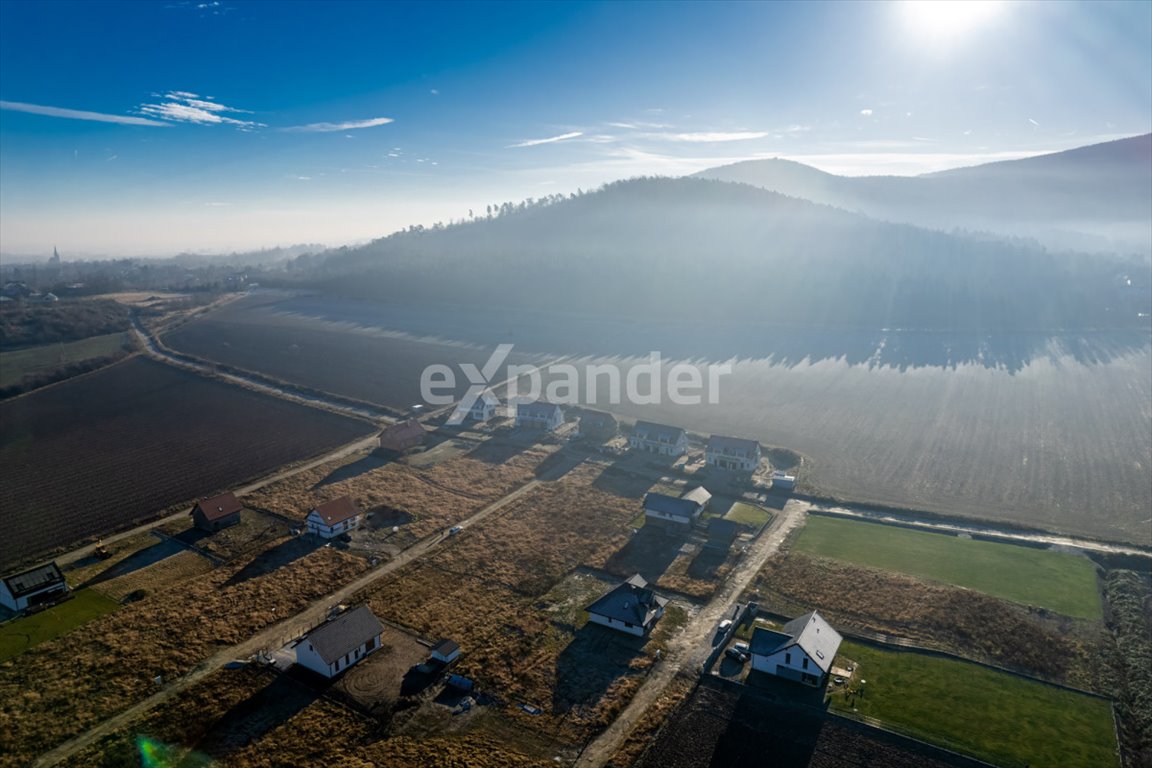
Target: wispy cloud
[[185, 107], [707, 137], [866, 112], [334, 127], [549, 140], [78, 114]]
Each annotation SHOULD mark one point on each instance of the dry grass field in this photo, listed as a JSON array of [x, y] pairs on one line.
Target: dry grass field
[[934, 615], [159, 576], [62, 687], [147, 437]]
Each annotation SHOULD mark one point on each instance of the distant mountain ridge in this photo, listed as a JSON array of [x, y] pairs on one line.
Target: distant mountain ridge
[[1097, 197], [657, 248]]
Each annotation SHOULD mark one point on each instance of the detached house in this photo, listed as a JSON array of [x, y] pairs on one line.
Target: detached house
[[217, 512], [339, 643], [401, 436], [333, 518], [658, 438], [631, 607], [539, 415], [36, 586], [803, 651], [484, 408], [598, 425], [676, 514], [732, 453]]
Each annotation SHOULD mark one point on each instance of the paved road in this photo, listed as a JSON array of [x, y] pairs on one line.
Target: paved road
[[271, 637], [688, 650]]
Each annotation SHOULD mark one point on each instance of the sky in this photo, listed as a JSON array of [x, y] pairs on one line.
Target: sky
[[152, 128]]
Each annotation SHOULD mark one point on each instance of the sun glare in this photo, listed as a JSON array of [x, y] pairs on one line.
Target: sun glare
[[936, 21]]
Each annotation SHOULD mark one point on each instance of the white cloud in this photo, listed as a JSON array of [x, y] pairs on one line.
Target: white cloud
[[866, 112], [704, 137], [334, 127], [549, 140], [185, 107], [77, 114]]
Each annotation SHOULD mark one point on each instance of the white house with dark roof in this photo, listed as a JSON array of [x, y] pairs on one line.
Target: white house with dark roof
[[333, 518], [675, 513], [802, 651], [630, 607], [658, 438], [339, 643], [732, 453], [484, 407], [539, 415], [42, 584]]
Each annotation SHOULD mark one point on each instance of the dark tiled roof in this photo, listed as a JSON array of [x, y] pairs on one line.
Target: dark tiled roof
[[445, 647], [597, 420], [669, 505], [346, 633], [219, 506], [402, 434], [732, 446], [337, 510], [34, 580], [723, 530], [630, 602], [649, 430], [767, 641], [537, 410]]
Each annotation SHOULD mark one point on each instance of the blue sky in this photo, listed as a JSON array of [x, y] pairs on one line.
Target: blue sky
[[143, 128]]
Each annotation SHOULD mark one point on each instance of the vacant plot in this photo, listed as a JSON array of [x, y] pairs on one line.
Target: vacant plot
[[120, 445], [748, 514], [17, 364], [934, 615], [21, 634], [156, 577], [991, 715], [1058, 581]]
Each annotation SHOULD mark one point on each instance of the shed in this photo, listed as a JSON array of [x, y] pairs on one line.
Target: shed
[[445, 651]]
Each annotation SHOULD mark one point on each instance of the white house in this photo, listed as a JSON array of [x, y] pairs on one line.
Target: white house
[[539, 415], [630, 607], [484, 408], [734, 453], [333, 518], [339, 643], [676, 513], [658, 438], [803, 651], [38, 585]]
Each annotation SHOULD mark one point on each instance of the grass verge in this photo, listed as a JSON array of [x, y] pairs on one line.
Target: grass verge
[[21, 634]]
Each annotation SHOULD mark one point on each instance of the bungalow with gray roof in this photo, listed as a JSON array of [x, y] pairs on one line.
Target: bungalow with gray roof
[[630, 607], [676, 514], [802, 651], [339, 643], [658, 438]]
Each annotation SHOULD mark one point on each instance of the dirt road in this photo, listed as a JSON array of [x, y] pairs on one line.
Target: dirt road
[[688, 650]]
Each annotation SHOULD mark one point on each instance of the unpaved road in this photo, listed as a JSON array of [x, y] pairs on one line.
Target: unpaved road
[[689, 649], [271, 637]]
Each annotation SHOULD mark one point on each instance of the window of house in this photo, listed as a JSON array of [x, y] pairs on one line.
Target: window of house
[[804, 664], [787, 658]]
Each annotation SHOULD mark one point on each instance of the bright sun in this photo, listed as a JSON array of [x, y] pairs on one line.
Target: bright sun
[[936, 21]]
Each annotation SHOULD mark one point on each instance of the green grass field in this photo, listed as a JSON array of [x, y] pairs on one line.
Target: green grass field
[[23, 633], [748, 514], [21, 362], [992, 715], [1057, 581]]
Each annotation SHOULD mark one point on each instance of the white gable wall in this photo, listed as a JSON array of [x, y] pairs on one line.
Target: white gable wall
[[316, 525]]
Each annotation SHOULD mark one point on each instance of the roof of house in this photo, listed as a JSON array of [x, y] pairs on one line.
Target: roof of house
[[402, 431], [485, 399], [698, 495], [811, 634], [538, 409], [345, 633], [669, 505], [766, 641], [445, 647], [597, 419], [219, 506], [34, 579], [337, 510], [732, 445], [719, 528], [631, 602], [649, 430]]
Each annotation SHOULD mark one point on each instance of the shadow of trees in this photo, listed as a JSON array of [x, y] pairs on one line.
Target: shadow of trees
[[590, 664]]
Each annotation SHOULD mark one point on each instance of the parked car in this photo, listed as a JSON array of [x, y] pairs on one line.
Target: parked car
[[736, 655], [724, 625], [455, 530]]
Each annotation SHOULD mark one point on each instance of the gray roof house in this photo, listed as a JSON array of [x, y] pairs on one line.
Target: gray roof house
[[341, 642], [42, 584], [803, 650], [658, 438], [539, 415], [630, 607], [732, 453], [676, 514]]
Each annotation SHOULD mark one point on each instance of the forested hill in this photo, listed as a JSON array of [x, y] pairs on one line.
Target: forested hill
[[1097, 197], [654, 247]]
